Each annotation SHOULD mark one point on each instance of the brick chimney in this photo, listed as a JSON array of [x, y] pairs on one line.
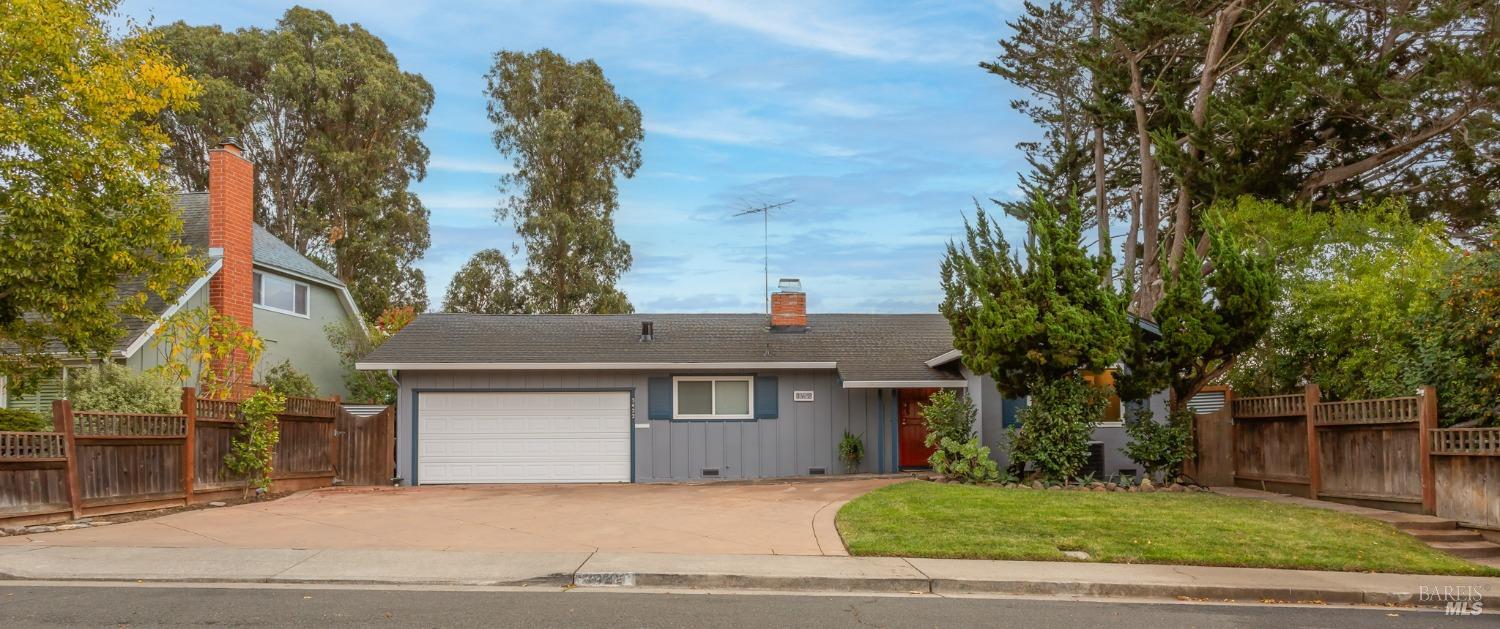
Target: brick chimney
[[789, 306], [231, 220]]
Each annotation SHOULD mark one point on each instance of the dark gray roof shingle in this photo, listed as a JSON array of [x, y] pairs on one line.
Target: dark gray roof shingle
[[865, 346], [270, 251]]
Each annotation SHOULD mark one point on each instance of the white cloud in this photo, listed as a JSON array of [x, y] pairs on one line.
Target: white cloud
[[841, 107], [462, 165], [729, 126], [797, 24]]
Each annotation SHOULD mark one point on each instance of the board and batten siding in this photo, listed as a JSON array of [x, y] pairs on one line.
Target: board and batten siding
[[802, 437]]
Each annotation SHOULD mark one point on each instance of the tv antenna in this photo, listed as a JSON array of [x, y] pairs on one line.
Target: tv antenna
[[764, 210]]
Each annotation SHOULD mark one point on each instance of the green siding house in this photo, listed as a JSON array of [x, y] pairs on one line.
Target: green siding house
[[251, 275]]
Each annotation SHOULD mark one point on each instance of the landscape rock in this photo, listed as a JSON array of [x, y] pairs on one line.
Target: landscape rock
[[1054, 488], [1076, 554], [1036, 484], [14, 530], [41, 528], [72, 526], [100, 523], [217, 503], [1111, 486]]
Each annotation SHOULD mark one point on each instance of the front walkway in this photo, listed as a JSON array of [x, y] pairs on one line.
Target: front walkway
[[1440, 533], [771, 518]]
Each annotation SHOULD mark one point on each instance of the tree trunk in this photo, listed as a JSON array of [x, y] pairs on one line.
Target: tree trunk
[[1339, 174], [1100, 207], [1218, 41], [1130, 238], [1150, 195]]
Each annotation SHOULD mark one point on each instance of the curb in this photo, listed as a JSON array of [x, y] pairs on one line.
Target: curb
[[628, 580]]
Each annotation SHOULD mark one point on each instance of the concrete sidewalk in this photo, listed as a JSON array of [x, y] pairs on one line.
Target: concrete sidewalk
[[776, 572]]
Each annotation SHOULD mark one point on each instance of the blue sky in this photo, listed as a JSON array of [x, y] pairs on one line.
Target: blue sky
[[874, 117]]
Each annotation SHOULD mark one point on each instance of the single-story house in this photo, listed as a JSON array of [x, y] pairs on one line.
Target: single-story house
[[248, 274], [674, 397]]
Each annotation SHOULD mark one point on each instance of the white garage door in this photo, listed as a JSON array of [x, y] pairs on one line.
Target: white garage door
[[523, 437]]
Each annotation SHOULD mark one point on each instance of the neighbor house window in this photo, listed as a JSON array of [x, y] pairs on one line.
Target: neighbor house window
[[712, 397], [280, 294], [1101, 380]]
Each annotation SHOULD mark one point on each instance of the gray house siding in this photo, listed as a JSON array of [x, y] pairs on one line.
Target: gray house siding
[[802, 437], [1112, 436]]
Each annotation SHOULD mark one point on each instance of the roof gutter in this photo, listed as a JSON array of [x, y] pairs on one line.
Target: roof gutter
[[374, 366], [944, 358], [906, 384]]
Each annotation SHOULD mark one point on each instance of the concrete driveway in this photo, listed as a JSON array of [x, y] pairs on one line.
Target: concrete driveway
[[790, 518]]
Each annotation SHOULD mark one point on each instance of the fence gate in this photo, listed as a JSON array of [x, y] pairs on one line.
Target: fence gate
[[366, 447], [1213, 437]]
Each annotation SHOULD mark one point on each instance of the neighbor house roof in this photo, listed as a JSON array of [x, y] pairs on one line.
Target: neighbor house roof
[[866, 349], [270, 253]]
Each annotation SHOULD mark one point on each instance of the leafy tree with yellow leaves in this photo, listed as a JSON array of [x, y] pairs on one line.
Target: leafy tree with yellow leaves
[[83, 199]]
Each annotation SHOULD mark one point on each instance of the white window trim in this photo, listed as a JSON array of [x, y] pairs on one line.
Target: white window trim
[[263, 275], [713, 396]]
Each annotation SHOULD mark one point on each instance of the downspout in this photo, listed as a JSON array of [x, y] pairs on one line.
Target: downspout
[[880, 427], [895, 431]]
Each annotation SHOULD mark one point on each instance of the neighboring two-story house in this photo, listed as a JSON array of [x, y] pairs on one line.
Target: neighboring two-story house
[[250, 275]]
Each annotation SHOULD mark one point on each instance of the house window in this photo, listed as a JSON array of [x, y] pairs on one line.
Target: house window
[[712, 397], [1112, 408], [280, 294]]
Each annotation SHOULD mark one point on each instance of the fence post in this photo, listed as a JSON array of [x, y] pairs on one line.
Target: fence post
[[62, 420], [1427, 421], [1310, 400], [189, 444], [333, 440]]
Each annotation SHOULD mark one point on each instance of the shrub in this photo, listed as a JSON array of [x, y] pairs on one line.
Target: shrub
[[289, 382], [1459, 342], [22, 420], [950, 430], [252, 453], [222, 351], [851, 450], [1055, 428], [1160, 447], [967, 461], [948, 416], [111, 387]]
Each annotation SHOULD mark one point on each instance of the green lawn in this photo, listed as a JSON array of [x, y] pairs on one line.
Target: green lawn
[[920, 519]]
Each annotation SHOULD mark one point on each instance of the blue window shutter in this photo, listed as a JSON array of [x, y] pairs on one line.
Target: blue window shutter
[[1010, 407], [766, 397], [659, 398]]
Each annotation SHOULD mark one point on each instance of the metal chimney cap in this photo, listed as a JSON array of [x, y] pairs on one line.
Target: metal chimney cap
[[789, 285]]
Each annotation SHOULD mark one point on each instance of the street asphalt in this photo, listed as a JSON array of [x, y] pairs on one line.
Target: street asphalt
[[290, 606]]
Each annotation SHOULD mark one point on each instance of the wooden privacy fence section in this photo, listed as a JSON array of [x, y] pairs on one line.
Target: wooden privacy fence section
[[366, 447], [1368, 451], [97, 463], [1387, 453], [1466, 467]]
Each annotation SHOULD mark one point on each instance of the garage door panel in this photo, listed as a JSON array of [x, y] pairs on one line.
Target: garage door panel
[[530, 437]]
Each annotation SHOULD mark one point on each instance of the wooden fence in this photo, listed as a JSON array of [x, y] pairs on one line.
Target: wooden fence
[[1388, 453], [1466, 468], [98, 463]]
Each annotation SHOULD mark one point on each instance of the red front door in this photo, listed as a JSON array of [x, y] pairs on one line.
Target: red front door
[[914, 450]]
